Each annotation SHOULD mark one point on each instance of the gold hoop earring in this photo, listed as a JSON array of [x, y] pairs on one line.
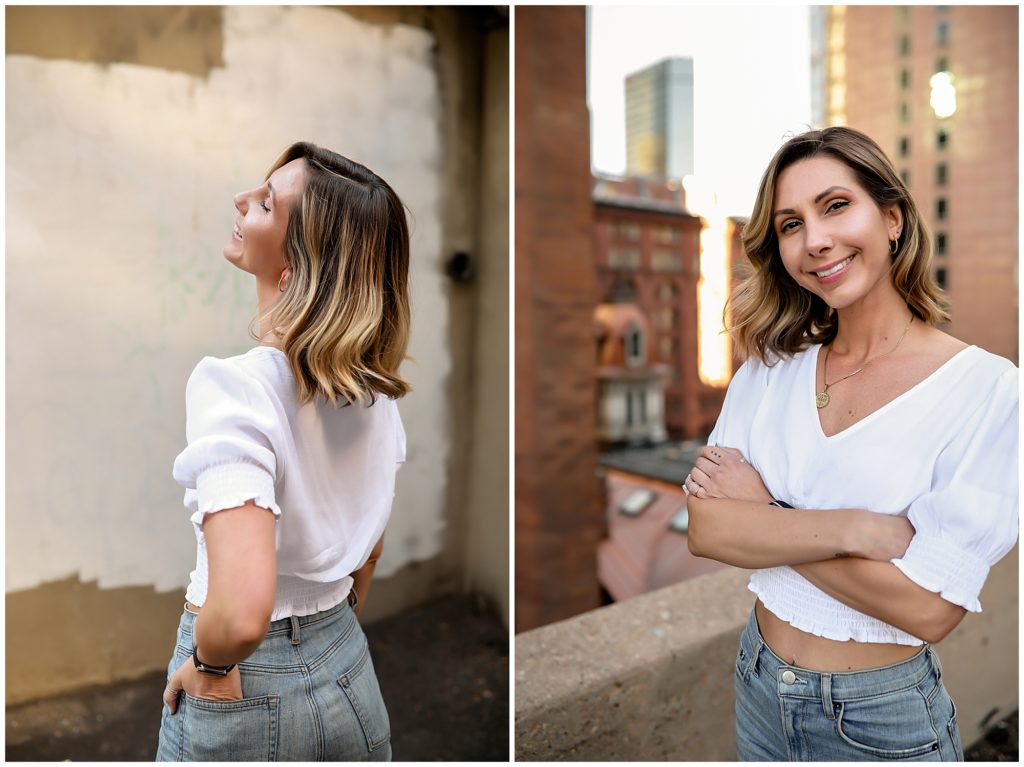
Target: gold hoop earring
[[280, 289], [894, 245]]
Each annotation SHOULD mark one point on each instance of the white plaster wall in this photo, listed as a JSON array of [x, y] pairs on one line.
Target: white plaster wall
[[119, 200]]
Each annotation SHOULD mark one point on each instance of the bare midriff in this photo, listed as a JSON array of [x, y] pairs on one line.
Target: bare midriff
[[798, 648]]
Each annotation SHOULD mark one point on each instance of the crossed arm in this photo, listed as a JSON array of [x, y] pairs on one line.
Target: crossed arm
[[844, 552]]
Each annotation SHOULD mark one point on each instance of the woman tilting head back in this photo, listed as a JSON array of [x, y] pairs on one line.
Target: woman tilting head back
[[290, 490], [770, 312], [343, 315]]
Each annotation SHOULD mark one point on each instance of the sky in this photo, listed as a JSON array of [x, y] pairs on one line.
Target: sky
[[751, 85]]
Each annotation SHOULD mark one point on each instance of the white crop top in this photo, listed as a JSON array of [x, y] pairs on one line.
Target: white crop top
[[328, 475], [943, 454]]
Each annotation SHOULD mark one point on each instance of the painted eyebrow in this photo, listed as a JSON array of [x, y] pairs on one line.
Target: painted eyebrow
[[816, 199], [271, 188]]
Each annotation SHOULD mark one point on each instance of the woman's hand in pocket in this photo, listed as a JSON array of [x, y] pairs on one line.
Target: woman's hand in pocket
[[199, 685]]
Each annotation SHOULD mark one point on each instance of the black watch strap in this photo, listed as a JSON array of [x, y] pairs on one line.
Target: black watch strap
[[780, 504], [217, 670]]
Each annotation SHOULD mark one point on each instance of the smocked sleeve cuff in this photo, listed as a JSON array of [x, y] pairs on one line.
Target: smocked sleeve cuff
[[230, 485], [939, 565]]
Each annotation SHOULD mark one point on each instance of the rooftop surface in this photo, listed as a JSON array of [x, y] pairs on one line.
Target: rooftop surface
[[668, 462]]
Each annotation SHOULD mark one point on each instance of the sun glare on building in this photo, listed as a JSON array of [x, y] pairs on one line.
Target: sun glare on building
[[943, 98], [713, 285]]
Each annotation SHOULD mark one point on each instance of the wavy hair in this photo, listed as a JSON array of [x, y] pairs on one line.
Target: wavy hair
[[343, 318], [770, 313]]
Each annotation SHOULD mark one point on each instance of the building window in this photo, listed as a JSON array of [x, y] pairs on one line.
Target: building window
[[636, 410], [904, 146], [667, 261], [665, 318], [665, 348], [626, 230], [941, 139], [940, 174], [667, 290], [634, 341], [622, 292], [667, 235], [905, 175], [904, 78], [904, 45], [940, 277], [941, 243], [942, 32], [941, 209], [942, 65], [904, 112], [623, 258], [904, 12]]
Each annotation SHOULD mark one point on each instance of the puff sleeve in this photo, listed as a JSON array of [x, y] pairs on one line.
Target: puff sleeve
[[230, 427], [742, 399], [968, 520]]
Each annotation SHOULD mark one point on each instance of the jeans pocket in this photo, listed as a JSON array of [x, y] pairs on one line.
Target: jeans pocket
[[363, 693], [892, 726], [229, 730]]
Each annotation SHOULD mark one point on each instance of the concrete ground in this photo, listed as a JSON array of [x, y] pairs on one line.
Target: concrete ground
[[443, 670], [1000, 743]]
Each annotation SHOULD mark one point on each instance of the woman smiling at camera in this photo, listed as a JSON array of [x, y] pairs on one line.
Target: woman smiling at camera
[[290, 474], [896, 444]]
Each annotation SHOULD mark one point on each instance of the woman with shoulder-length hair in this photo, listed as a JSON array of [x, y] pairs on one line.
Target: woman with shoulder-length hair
[[290, 474], [864, 466]]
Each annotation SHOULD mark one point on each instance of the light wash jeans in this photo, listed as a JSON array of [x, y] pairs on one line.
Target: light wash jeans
[[788, 713], [309, 694]]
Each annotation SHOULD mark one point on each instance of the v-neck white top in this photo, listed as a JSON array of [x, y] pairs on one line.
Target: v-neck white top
[[327, 475], [943, 454]]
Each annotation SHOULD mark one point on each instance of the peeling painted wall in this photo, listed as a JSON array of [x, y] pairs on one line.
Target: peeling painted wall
[[120, 180]]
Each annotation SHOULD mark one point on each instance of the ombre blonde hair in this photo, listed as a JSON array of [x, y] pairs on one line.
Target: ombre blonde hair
[[772, 316], [343, 318]]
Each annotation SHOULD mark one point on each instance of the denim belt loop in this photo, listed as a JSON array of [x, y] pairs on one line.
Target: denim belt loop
[[353, 598], [295, 631], [826, 695], [934, 658], [752, 665]]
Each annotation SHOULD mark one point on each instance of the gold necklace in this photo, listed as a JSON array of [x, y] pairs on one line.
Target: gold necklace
[[822, 399]]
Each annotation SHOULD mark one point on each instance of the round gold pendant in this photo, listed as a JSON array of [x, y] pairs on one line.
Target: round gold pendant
[[821, 400]]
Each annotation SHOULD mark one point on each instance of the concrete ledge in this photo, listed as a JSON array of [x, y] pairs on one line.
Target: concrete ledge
[[651, 678], [647, 678]]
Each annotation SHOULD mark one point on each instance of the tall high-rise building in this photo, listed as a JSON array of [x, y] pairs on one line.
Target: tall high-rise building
[[659, 120], [937, 88]]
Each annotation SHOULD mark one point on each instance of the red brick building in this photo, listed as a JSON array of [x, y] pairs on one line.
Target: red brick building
[[890, 71], [630, 387], [647, 252], [559, 507]]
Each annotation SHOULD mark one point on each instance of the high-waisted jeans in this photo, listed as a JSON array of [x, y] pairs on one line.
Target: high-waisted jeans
[[789, 713], [309, 694]]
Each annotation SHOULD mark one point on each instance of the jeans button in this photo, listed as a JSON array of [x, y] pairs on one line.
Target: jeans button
[[788, 677]]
